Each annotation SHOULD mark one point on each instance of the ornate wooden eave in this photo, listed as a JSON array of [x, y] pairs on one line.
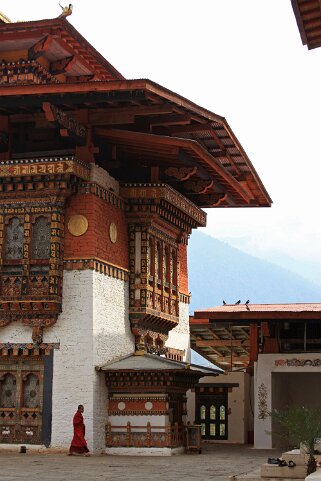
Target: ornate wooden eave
[[150, 199], [62, 44], [308, 18], [193, 136], [152, 374], [165, 148]]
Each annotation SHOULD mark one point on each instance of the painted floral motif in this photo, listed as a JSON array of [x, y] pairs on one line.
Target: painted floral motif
[[298, 362], [262, 404]]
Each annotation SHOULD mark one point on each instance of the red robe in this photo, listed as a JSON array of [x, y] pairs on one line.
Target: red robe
[[78, 443]]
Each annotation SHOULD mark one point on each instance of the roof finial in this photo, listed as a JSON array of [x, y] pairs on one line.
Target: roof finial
[[4, 18], [66, 11]]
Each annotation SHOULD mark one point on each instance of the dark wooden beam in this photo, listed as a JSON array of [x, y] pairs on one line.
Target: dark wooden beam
[[168, 120], [228, 343], [186, 129], [231, 360], [125, 115]]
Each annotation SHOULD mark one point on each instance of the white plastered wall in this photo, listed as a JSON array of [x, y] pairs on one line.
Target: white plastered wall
[[179, 337], [265, 367], [92, 329]]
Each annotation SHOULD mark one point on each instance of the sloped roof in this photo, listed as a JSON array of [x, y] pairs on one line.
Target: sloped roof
[[291, 307], [152, 362], [166, 129], [65, 41]]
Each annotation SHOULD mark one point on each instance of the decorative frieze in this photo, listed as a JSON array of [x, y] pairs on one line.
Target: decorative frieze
[[98, 265], [167, 202], [23, 349], [121, 405], [185, 298], [295, 362], [25, 72], [45, 166]]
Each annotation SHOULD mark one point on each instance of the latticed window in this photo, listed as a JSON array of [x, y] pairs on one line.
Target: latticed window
[[173, 267], [31, 391], [158, 261], [222, 413], [14, 239], [166, 265], [151, 258], [203, 412], [41, 238], [8, 391], [212, 412]]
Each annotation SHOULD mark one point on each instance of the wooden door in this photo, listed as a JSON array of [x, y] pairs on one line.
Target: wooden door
[[211, 414], [21, 399]]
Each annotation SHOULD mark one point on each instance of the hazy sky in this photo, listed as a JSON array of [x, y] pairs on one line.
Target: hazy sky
[[244, 60]]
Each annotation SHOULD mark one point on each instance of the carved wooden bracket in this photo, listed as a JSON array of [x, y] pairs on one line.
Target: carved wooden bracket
[[70, 126], [37, 334], [63, 65], [198, 186], [39, 48], [181, 173]]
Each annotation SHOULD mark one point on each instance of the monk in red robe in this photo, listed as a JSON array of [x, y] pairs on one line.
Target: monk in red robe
[[79, 444]]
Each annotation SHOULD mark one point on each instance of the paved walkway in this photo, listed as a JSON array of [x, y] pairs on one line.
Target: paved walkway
[[216, 463]]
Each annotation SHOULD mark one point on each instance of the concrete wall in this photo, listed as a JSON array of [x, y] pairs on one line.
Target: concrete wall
[[277, 384], [239, 419]]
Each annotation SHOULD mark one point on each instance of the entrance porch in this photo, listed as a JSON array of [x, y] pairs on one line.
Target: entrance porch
[[147, 404]]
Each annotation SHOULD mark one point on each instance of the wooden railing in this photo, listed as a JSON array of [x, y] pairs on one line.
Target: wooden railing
[[171, 436]]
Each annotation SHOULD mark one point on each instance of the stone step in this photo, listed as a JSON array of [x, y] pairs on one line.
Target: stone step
[[317, 446], [299, 458], [256, 477], [314, 476], [275, 471]]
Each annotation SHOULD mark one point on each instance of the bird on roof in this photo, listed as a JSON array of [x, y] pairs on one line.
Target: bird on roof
[[238, 302], [66, 11], [248, 301], [224, 303]]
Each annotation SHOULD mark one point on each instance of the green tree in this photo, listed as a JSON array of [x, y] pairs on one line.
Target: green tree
[[301, 425]]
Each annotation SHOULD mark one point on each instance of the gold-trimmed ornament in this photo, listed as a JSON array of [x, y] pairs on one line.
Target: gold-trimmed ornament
[[113, 232], [77, 225]]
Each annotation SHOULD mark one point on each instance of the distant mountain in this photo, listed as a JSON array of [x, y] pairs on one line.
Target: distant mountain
[[218, 271], [308, 269]]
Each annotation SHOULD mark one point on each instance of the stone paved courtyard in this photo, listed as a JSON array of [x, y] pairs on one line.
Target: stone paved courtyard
[[216, 463]]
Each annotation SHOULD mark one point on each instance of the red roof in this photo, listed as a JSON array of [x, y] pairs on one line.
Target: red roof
[[292, 307], [65, 42], [259, 312]]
